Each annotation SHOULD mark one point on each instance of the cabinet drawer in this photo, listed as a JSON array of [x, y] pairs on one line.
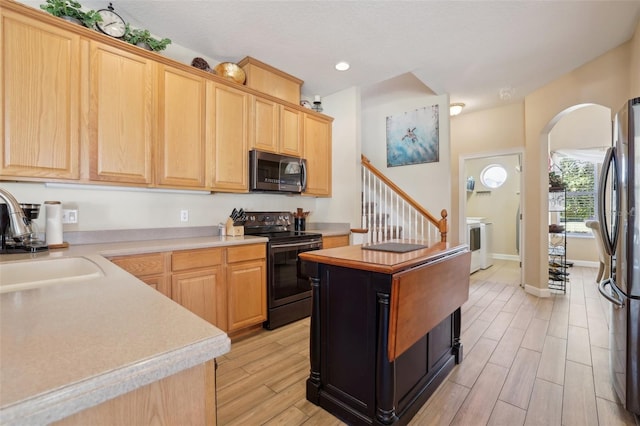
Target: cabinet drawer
[[194, 259], [141, 265], [335, 241], [248, 252]]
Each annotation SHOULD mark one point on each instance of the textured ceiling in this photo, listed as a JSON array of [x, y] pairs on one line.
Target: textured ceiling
[[469, 49]]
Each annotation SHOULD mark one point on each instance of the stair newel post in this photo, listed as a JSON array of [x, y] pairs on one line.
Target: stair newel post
[[442, 226]]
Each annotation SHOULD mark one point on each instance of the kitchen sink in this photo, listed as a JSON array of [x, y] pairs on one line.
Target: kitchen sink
[[23, 275]]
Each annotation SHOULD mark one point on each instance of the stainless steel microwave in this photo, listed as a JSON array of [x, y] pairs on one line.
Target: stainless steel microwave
[[275, 172]]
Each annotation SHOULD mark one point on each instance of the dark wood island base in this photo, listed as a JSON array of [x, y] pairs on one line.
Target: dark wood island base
[[385, 329]]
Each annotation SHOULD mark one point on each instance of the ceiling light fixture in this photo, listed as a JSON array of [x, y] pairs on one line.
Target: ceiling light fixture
[[506, 93], [342, 66], [455, 109]]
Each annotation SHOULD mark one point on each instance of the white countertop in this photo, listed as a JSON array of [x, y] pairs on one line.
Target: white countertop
[[66, 347]]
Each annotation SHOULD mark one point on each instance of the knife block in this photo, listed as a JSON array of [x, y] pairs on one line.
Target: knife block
[[234, 231]]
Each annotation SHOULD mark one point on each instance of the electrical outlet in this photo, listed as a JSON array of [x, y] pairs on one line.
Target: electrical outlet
[[184, 215], [69, 216]]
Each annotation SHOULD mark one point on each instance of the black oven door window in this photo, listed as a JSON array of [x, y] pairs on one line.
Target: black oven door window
[[286, 283]]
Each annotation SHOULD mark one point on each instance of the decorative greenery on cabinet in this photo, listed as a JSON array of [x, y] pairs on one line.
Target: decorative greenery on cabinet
[[71, 9], [143, 38]]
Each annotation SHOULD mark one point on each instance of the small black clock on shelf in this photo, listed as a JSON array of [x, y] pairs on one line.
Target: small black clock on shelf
[[112, 24]]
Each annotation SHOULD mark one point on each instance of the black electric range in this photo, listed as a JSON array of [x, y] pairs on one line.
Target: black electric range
[[288, 291]]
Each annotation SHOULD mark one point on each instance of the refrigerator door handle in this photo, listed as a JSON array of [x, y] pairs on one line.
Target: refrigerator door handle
[[608, 242], [617, 301]]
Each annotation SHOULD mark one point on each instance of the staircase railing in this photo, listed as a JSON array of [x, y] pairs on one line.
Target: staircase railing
[[390, 213]]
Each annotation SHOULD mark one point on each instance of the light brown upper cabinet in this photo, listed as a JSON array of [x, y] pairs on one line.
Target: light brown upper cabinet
[[40, 91], [291, 122], [227, 122], [183, 146], [317, 151], [275, 127], [82, 106], [264, 128], [121, 115]]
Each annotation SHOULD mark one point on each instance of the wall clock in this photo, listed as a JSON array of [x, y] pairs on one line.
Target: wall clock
[[112, 24]]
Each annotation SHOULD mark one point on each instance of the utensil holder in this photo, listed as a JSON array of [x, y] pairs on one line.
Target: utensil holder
[[232, 230], [299, 223]]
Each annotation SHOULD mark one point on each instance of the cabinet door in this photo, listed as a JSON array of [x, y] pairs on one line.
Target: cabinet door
[[317, 151], [227, 115], [291, 123], [120, 116], [40, 92], [182, 142], [246, 294], [150, 268], [159, 283], [197, 291], [264, 125]]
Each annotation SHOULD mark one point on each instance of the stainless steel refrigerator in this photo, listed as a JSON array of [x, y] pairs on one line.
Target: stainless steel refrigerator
[[619, 217]]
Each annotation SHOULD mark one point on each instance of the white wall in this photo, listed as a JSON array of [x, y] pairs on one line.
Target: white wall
[[428, 183], [131, 209], [344, 205]]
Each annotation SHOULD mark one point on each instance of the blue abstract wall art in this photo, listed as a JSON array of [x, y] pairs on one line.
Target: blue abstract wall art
[[413, 137]]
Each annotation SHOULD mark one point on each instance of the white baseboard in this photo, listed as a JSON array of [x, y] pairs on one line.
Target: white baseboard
[[539, 292], [500, 256], [585, 263]]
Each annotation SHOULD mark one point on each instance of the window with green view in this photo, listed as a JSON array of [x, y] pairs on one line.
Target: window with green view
[[580, 179]]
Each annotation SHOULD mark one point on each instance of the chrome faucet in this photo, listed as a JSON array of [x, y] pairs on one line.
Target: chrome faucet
[[18, 221]]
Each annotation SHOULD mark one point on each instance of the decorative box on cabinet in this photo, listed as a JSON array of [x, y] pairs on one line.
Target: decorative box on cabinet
[[40, 90], [270, 80]]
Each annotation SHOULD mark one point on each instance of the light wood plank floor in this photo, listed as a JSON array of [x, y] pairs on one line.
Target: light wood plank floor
[[527, 361]]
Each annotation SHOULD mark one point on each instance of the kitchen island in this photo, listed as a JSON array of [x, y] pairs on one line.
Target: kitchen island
[[385, 328]]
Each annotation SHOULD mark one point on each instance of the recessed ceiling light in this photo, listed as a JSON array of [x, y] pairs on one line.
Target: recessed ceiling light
[[342, 66]]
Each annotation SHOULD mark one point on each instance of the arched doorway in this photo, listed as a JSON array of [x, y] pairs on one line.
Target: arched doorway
[[574, 143]]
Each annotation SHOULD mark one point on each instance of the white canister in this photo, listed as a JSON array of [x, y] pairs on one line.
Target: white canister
[[53, 230]]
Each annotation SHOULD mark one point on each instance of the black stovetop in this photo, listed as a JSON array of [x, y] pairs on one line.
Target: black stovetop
[[277, 226], [287, 236]]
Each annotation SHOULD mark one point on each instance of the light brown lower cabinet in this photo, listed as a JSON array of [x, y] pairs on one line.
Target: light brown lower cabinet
[[226, 286], [151, 268], [335, 241], [197, 291], [186, 398]]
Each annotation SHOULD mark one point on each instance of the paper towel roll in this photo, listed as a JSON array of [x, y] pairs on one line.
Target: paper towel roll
[[53, 230]]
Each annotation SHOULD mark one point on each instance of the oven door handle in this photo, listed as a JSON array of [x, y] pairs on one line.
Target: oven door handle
[[307, 243]]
